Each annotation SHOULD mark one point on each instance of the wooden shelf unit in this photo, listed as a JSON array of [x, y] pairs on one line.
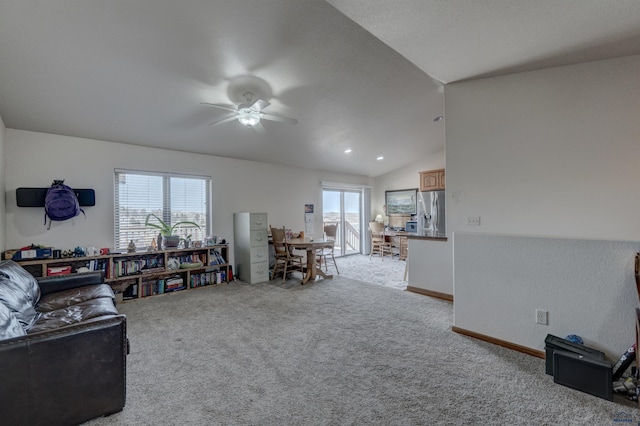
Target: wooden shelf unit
[[136, 275]]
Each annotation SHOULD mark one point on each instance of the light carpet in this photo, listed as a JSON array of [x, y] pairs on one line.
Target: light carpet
[[388, 272], [332, 352]]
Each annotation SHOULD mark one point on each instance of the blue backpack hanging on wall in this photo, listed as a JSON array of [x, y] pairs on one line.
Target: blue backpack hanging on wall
[[60, 203]]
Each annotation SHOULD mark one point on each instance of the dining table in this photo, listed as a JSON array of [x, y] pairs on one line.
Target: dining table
[[311, 245]]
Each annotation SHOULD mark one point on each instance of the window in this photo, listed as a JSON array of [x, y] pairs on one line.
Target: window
[[173, 198]]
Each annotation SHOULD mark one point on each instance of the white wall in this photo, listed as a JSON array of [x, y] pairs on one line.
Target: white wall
[[545, 153], [3, 227], [587, 286], [35, 159], [552, 152]]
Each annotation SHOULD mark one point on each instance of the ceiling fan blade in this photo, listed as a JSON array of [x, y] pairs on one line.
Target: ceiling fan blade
[[223, 106], [275, 117], [224, 120], [258, 128], [259, 105]]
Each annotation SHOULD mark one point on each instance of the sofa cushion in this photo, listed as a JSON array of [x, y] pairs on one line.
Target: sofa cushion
[[19, 291], [74, 314], [9, 324], [73, 296]]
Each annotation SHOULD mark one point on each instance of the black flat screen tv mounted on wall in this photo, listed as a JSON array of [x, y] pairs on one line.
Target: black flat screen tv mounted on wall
[[34, 197]]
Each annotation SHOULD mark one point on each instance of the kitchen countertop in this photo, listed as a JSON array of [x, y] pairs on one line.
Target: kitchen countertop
[[418, 235], [427, 235]]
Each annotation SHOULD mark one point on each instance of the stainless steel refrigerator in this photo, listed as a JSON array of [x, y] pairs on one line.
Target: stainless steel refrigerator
[[431, 216]]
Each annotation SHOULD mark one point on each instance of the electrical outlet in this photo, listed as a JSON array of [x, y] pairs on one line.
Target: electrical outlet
[[542, 317], [473, 220]]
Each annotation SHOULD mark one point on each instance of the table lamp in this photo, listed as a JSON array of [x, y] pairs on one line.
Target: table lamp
[[379, 218]]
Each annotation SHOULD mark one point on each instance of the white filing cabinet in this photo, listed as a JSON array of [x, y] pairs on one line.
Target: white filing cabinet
[[251, 242]]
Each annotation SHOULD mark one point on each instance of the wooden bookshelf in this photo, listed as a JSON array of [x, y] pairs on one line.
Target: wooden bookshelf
[[143, 274]]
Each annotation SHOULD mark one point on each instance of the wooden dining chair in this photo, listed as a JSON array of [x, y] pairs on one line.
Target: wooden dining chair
[[379, 243], [326, 253], [285, 259]]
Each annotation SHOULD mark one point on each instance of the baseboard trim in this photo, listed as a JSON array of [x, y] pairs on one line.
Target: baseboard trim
[[503, 343], [436, 294]]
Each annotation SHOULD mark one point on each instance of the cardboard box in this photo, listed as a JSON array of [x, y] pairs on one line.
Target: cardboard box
[[58, 270], [43, 253]]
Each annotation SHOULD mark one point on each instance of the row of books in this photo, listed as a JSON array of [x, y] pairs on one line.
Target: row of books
[[153, 287], [206, 278], [97, 265], [216, 258], [193, 258], [123, 268]]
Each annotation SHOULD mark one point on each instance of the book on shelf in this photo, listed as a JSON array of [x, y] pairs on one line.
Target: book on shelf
[[125, 267], [172, 283], [214, 276], [130, 292], [169, 290], [216, 258]]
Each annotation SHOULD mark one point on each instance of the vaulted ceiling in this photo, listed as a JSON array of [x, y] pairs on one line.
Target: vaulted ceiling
[[365, 75]]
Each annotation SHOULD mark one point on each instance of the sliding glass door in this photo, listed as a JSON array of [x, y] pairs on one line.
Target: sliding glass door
[[342, 208]]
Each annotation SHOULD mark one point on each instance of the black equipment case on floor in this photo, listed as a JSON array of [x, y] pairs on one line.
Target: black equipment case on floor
[[578, 367], [582, 373], [551, 343]]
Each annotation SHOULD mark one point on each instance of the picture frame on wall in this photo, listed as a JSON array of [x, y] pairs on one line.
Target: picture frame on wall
[[402, 201]]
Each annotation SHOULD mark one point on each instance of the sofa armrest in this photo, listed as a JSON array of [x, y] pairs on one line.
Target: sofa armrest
[[64, 376], [65, 282]]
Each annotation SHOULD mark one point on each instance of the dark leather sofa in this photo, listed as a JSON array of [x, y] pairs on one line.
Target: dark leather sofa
[[69, 365]]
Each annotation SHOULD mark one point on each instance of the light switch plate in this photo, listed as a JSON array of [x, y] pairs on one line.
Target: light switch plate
[[473, 220]]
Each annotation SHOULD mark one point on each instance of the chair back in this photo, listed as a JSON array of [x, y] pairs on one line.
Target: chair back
[[331, 231], [279, 241], [278, 234], [376, 231], [376, 227]]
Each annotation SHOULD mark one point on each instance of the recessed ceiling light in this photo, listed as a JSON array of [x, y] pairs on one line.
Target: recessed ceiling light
[[347, 151], [380, 158]]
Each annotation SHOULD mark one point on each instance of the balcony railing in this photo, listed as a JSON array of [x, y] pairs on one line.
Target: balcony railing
[[351, 239]]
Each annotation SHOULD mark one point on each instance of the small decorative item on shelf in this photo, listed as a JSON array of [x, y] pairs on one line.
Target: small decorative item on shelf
[[190, 265], [166, 230], [173, 264], [131, 248]]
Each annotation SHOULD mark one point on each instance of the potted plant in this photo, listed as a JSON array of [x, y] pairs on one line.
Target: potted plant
[[166, 230]]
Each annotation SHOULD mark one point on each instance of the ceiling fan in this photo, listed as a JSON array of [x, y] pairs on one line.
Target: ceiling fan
[[250, 113]]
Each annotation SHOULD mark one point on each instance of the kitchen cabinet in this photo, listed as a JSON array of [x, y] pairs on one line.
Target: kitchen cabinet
[[432, 180]]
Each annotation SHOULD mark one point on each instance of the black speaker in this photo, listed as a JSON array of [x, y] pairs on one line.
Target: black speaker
[[34, 197]]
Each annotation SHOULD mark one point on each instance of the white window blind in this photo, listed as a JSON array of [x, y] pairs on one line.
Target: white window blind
[[171, 197]]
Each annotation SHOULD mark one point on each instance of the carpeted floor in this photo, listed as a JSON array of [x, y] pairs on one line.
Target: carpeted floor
[[388, 272], [332, 352]]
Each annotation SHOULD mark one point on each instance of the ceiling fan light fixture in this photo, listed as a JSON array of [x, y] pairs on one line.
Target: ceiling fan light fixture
[[248, 117]]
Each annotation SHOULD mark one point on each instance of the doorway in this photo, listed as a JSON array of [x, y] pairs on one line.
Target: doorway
[[343, 208]]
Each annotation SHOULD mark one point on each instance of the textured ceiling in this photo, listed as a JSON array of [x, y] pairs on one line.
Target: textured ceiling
[[462, 39], [137, 71]]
